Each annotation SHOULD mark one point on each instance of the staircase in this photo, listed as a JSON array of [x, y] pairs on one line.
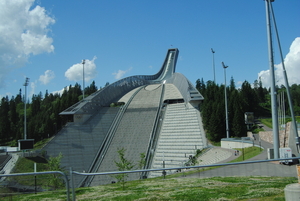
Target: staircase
[[180, 137]]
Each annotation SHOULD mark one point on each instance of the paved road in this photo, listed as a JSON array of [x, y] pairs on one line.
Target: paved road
[[9, 165], [253, 169], [266, 128]]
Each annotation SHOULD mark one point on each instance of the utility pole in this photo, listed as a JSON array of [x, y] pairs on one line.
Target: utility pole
[[273, 89], [289, 96], [83, 62], [25, 100], [213, 61], [226, 107]]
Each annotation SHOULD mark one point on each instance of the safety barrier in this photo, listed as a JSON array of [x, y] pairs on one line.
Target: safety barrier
[[207, 168]]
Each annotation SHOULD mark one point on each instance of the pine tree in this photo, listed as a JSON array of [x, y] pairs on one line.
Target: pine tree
[[14, 119], [4, 120], [238, 126]]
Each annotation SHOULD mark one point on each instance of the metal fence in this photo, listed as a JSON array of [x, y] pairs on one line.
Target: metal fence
[[247, 168], [64, 177]]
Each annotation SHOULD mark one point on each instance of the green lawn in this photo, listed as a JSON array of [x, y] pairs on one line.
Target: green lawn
[[27, 165], [247, 153], [174, 187], [268, 122], [216, 188]]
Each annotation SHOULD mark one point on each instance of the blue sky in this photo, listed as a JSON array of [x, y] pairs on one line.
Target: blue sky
[[47, 40]]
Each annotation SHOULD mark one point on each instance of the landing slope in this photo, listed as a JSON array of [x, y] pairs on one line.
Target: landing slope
[[79, 143], [133, 132]]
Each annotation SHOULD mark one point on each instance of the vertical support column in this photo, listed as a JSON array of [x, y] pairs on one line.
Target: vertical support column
[[273, 89], [72, 184]]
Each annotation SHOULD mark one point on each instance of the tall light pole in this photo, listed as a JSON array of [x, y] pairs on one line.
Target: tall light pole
[[273, 88], [226, 110], [213, 61], [83, 62], [289, 96], [25, 98]]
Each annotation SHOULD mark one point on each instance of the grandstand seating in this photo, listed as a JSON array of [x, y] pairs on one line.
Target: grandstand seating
[[179, 138]]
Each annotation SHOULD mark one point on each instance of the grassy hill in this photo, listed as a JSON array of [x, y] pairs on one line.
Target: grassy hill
[[174, 187], [180, 188]]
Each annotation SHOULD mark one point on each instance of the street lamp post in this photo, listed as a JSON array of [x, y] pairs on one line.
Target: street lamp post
[[83, 62], [213, 53], [226, 110], [243, 150], [25, 97]]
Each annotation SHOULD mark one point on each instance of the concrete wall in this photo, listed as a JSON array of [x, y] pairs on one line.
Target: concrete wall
[[283, 136], [234, 144]]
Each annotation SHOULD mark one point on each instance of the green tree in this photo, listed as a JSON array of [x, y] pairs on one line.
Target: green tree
[[217, 128], [4, 120], [238, 127], [263, 100], [295, 93], [123, 165], [54, 164], [90, 89], [43, 119], [232, 85], [200, 85], [142, 160], [14, 119], [248, 97]]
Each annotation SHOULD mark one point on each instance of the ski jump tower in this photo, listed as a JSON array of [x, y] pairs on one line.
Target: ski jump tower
[[159, 117]]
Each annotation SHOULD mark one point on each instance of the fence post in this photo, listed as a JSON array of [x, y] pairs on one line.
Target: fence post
[[40, 173], [67, 183], [72, 184]]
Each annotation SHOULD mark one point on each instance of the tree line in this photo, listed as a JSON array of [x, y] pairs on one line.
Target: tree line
[[248, 98], [44, 121], [42, 113]]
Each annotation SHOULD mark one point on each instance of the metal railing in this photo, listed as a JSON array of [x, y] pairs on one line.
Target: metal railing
[[204, 167], [72, 173], [65, 177], [154, 133]]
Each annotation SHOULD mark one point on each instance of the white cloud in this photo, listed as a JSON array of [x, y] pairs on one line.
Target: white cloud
[[36, 43], [60, 92], [32, 89], [75, 72], [121, 73], [292, 67], [23, 32], [47, 77]]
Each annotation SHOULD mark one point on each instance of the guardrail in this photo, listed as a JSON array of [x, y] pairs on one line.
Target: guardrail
[[154, 133], [72, 173], [173, 168], [41, 173]]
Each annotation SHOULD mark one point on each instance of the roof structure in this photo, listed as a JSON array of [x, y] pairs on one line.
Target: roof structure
[[116, 90]]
